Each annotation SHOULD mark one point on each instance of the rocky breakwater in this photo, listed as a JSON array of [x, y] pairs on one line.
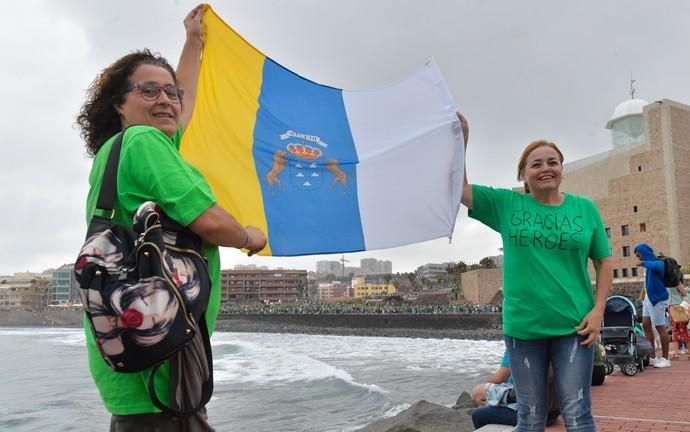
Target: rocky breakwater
[[425, 416], [41, 318], [480, 326]]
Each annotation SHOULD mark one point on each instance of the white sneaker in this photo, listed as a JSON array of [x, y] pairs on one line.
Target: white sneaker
[[652, 361], [662, 363]]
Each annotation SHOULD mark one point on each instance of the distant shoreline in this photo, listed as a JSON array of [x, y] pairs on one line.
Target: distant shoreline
[[241, 325], [353, 325]]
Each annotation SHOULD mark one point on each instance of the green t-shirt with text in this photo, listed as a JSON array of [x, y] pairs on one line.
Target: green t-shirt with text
[[546, 286], [150, 169]]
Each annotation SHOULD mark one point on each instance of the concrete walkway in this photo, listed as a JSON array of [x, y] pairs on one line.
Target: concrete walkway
[[655, 400], [652, 401]]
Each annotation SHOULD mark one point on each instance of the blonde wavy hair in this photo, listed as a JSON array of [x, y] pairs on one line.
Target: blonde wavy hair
[[526, 152]]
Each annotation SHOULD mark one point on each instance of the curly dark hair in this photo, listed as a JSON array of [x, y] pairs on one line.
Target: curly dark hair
[[98, 119]]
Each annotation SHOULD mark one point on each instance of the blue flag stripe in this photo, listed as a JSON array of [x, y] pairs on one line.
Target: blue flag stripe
[[306, 165]]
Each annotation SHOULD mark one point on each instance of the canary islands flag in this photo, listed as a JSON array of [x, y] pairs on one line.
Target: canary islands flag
[[317, 168]]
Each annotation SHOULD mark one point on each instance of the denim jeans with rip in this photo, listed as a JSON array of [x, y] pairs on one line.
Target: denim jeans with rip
[[572, 364]]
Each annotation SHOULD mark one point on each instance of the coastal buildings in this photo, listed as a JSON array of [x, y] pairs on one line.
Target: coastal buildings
[[431, 270], [64, 288], [23, 291], [480, 286], [371, 266], [333, 291], [642, 185], [325, 268], [366, 289], [368, 266], [249, 267], [27, 290], [258, 285]]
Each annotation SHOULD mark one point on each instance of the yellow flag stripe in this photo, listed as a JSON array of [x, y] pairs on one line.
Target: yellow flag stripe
[[236, 69]]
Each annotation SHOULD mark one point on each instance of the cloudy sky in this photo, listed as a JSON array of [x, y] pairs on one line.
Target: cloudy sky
[[518, 70]]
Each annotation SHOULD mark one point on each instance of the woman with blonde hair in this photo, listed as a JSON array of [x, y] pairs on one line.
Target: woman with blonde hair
[[551, 316]]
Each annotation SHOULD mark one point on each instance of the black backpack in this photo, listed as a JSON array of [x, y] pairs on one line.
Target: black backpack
[[145, 293], [672, 273]]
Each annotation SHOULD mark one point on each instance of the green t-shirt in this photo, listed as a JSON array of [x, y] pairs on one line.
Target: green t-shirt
[[546, 286], [150, 169]]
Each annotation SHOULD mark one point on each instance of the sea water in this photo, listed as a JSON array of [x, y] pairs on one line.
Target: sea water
[[263, 381]]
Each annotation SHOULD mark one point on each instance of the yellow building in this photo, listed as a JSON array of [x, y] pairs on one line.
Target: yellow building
[[363, 289]]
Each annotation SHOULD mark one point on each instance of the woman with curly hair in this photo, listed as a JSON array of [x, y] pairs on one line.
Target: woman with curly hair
[[142, 93]]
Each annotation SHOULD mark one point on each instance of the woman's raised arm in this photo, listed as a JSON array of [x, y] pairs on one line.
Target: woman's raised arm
[[190, 62], [466, 187]]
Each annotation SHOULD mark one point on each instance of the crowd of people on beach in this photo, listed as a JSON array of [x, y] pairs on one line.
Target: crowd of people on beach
[[322, 308]]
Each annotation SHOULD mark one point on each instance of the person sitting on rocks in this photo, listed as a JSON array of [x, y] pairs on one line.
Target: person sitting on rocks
[[496, 400], [492, 398]]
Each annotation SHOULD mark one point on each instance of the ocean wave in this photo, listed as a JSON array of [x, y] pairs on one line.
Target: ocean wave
[[263, 381], [53, 335], [36, 331], [391, 412], [265, 364], [395, 410]]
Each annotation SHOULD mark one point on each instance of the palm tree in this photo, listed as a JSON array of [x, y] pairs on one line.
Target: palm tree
[[425, 282], [487, 263], [461, 266]]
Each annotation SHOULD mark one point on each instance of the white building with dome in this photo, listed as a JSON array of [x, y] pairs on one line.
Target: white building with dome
[[642, 184], [627, 124]]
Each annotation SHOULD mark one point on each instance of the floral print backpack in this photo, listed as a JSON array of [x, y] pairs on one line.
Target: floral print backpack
[[145, 293]]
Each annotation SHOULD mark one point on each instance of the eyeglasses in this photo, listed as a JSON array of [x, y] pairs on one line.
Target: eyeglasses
[[151, 91]]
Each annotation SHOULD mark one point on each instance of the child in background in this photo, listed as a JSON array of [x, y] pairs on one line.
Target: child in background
[[680, 332]]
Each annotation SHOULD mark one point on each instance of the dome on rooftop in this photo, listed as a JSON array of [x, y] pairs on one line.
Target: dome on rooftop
[[628, 108]]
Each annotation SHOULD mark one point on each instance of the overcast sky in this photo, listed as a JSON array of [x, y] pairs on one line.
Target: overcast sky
[[519, 71]]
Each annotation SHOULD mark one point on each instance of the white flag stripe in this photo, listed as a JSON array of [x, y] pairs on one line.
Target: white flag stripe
[[409, 144]]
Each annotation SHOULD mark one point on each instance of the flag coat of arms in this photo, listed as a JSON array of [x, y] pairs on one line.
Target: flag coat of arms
[[320, 169]]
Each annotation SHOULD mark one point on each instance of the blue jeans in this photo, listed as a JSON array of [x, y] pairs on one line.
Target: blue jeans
[[572, 366], [493, 415]]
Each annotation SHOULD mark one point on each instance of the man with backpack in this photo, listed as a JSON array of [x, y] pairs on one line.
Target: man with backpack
[[655, 298], [677, 315]]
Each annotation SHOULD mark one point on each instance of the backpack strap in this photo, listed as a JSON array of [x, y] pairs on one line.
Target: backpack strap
[[106, 196], [207, 386]]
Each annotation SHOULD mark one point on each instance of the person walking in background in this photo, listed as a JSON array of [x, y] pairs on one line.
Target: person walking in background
[[679, 326], [655, 300], [679, 329], [142, 89], [550, 314]]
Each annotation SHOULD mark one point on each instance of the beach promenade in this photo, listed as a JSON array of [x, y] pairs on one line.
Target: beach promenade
[[655, 400]]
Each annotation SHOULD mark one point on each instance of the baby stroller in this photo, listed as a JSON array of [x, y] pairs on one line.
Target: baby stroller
[[618, 336]]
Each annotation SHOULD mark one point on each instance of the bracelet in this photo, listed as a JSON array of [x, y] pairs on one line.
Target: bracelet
[[246, 240]]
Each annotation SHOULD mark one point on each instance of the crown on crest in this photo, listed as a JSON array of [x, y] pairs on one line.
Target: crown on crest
[[304, 151]]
